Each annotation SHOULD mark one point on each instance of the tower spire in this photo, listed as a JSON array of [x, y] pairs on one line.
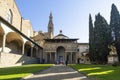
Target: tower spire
[[51, 26], [50, 20], [50, 17]]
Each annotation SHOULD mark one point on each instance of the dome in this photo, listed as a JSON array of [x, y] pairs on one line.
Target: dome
[[61, 36]]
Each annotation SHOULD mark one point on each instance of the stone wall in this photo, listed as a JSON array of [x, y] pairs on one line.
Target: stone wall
[[27, 28], [83, 47], [5, 6], [7, 59], [69, 47], [17, 21]]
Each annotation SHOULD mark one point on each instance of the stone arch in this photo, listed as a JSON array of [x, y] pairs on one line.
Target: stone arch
[[60, 54], [1, 37], [27, 50], [14, 43]]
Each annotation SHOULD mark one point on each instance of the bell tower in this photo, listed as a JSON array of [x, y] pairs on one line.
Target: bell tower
[[51, 26]]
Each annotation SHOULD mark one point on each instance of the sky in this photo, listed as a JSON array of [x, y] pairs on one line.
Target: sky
[[70, 16]]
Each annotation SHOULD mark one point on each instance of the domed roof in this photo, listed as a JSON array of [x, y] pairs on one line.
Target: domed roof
[[61, 36]]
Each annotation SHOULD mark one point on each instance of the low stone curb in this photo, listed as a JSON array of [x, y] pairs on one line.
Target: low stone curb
[[26, 77]]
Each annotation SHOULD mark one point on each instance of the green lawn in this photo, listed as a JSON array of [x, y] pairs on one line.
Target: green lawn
[[15, 73], [99, 72]]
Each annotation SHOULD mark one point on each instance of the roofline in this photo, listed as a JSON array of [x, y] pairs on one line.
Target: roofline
[[62, 35], [83, 43], [16, 30], [63, 39], [60, 40]]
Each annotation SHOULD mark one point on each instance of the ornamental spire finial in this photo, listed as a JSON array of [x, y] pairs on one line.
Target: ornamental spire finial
[[60, 31]]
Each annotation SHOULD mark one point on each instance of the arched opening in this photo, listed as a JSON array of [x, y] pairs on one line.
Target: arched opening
[[61, 54], [13, 43], [1, 37], [27, 49]]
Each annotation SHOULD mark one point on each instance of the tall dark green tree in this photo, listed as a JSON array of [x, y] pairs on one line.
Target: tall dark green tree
[[115, 21], [101, 39], [115, 26], [91, 40]]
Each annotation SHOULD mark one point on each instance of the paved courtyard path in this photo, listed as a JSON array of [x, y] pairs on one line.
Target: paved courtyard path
[[58, 72]]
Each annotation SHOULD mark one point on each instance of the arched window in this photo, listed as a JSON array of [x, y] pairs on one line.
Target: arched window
[[9, 16]]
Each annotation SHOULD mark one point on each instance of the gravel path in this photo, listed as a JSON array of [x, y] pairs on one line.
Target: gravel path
[[58, 72]]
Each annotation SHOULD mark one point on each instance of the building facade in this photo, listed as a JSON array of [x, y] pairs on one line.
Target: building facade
[[83, 50], [61, 48], [19, 44], [16, 45]]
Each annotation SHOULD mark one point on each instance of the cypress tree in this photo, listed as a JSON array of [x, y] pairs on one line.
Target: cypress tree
[[115, 21], [101, 39], [91, 39], [115, 26]]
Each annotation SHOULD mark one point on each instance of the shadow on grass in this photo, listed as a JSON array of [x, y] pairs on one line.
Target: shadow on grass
[[19, 70], [101, 72], [12, 78], [15, 73]]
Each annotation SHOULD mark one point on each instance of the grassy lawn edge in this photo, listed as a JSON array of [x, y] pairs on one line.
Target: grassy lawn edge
[[31, 74], [21, 72], [83, 73], [98, 72]]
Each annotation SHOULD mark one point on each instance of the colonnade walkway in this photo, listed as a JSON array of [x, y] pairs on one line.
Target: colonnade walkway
[[58, 72]]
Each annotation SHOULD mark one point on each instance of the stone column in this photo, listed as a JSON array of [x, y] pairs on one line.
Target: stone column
[[4, 42], [71, 57], [50, 57], [55, 57], [65, 56], [46, 56], [76, 57], [23, 48]]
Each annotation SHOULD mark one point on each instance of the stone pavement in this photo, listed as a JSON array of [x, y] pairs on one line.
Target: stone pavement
[[58, 72]]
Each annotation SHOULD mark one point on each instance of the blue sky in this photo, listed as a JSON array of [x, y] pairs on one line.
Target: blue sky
[[70, 16]]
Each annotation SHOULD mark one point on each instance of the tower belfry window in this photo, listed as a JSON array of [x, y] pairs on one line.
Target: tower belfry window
[[50, 29]]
